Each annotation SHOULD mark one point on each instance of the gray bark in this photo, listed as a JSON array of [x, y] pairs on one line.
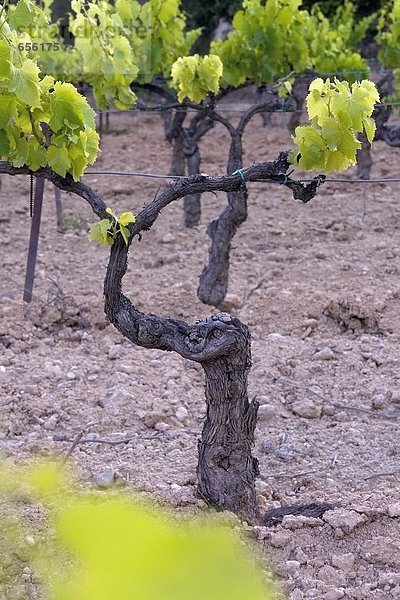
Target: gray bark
[[226, 469]]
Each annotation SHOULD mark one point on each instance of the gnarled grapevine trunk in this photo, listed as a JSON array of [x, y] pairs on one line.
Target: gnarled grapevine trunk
[[226, 469]]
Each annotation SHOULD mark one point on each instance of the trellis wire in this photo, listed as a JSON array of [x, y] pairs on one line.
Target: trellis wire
[[177, 177], [161, 108]]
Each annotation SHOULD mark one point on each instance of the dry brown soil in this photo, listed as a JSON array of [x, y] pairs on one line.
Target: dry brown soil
[[319, 287]]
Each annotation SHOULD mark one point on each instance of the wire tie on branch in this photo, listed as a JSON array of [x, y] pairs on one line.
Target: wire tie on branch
[[240, 172], [286, 178]]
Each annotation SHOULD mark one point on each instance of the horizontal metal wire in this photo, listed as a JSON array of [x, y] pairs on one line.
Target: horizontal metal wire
[[159, 176]]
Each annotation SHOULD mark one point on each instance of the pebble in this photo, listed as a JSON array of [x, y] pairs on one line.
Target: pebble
[[51, 422], [117, 379], [395, 397], [279, 539], [345, 562], [112, 397], [162, 426], [170, 258], [263, 399], [115, 351], [340, 518], [330, 575], [182, 414], [393, 510], [276, 337], [266, 412], [334, 594], [378, 401], [324, 354], [310, 323], [297, 522], [54, 371], [300, 556], [71, 375], [153, 418], [231, 301], [105, 479], [262, 503], [124, 368], [292, 567], [307, 409], [168, 238], [31, 389]]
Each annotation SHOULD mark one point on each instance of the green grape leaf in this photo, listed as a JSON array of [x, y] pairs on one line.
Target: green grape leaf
[[110, 212], [311, 146], [7, 109], [336, 161], [337, 112], [37, 155], [25, 83], [19, 151], [67, 107], [5, 58], [58, 160], [126, 217], [195, 77], [4, 143], [78, 160], [356, 104], [125, 233], [338, 136], [23, 120], [100, 232], [370, 128], [22, 16], [317, 100]]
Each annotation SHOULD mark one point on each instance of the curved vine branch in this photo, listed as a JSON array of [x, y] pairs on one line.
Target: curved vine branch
[[67, 184], [267, 171]]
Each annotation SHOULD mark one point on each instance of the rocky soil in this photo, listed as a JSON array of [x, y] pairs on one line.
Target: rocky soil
[[319, 287]]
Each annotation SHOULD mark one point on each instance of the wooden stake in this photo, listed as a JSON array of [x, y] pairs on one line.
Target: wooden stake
[[34, 239]]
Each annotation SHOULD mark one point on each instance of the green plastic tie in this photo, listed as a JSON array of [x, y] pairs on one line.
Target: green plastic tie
[[240, 172], [284, 182]]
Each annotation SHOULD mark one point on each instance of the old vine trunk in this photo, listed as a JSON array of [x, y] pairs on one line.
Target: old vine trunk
[[226, 469]]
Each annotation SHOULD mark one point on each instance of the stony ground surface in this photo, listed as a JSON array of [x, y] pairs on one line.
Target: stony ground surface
[[319, 287]]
